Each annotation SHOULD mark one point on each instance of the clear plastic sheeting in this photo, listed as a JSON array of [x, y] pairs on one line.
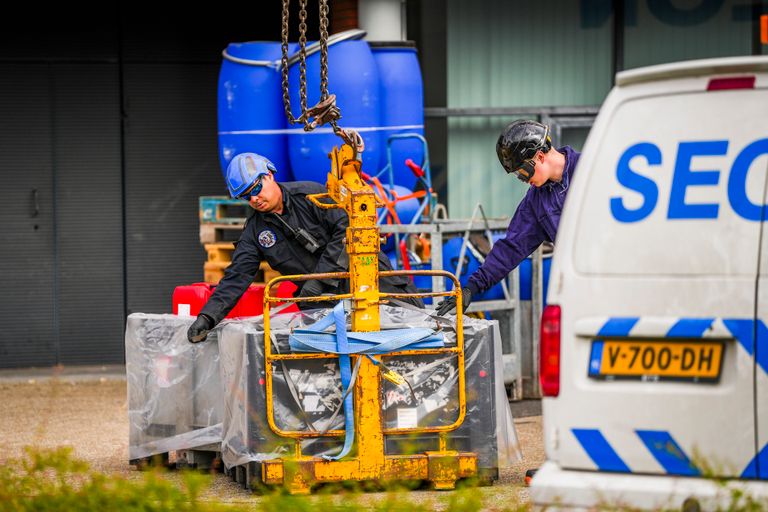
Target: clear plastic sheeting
[[307, 393], [174, 387]]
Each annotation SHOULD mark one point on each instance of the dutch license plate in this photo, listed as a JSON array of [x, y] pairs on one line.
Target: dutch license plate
[[699, 361]]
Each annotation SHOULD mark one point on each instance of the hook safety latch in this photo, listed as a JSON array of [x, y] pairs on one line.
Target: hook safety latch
[[324, 112]]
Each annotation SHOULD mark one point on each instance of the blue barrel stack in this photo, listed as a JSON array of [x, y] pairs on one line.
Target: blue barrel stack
[[378, 88], [402, 107], [250, 105], [354, 79]]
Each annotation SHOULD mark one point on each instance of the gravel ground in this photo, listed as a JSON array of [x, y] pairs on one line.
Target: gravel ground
[[91, 416]]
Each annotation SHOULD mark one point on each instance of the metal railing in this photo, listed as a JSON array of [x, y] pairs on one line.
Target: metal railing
[[269, 357]]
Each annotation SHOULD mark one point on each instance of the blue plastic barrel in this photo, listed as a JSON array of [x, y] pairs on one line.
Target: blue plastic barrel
[[526, 277], [402, 106], [451, 251], [354, 79], [250, 105]]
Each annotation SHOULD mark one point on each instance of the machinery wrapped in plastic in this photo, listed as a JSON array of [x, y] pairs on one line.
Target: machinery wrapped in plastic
[[174, 387], [307, 393]]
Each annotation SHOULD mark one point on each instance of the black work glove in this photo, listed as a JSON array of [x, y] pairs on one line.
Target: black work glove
[[198, 331], [449, 303], [312, 288]]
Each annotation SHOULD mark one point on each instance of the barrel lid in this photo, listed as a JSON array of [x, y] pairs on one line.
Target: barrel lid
[[347, 35], [256, 53], [402, 45]]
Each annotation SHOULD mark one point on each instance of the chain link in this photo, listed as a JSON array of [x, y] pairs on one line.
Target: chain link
[[303, 61], [284, 67], [326, 110], [323, 49]]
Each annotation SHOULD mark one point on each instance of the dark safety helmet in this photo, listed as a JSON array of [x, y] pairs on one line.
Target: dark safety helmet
[[518, 145], [244, 174]]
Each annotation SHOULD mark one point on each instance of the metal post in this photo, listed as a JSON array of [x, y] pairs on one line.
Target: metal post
[[516, 333], [537, 296]]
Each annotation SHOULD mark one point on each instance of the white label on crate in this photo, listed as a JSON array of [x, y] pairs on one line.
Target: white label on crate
[[430, 404], [183, 310], [407, 417], [311, 403]]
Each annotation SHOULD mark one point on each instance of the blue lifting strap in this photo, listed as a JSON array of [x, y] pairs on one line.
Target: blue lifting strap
[[343, 343]]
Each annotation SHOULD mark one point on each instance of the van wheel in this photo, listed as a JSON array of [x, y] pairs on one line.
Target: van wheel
[[691, 505]]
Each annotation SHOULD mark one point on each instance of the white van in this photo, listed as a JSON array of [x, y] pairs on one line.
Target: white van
[[654, 348]]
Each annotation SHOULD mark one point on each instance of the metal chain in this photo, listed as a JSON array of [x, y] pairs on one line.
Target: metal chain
[[303, 61], [326, 110], [324, 67], [323, 49], [284, 67]]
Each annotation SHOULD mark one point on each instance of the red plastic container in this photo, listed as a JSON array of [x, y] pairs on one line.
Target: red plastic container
[[189, 299]]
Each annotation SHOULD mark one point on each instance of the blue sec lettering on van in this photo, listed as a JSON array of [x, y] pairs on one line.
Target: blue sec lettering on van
[[737, 183], [633, 181], [684, 177]]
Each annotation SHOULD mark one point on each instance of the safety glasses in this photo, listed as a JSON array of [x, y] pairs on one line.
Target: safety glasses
[[254, 190], [526, 170]]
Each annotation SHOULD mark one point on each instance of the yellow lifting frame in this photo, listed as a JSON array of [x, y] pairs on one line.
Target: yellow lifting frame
[[299, 473]]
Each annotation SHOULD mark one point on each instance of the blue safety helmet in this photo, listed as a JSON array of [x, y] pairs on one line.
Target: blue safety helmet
[[245, 171]]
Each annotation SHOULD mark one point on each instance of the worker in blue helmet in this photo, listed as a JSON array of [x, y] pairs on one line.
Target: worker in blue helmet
[[290, 233], [525, 150]]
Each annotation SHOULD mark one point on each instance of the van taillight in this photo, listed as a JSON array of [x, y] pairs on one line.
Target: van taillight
[[736, 82], [549, 351]]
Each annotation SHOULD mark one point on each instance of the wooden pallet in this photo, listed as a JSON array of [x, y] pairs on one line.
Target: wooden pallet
[[213, 272], [268, 273], [223, 210], [220, 251], [213, 233]]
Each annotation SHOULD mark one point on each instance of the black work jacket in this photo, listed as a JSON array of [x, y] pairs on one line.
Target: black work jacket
[[265, 238]]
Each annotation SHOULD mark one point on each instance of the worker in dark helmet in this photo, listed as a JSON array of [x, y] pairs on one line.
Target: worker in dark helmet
[[289, 232], [524, 149]]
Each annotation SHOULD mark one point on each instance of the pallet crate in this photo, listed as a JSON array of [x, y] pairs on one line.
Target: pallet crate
[[268, 273], [213, 233], [213, 272], [223, 210], [220, 252]]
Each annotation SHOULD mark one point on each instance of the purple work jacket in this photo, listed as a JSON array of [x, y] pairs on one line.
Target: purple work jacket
[[534, 222]]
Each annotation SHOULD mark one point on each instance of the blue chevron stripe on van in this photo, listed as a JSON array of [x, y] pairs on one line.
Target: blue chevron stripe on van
[[744, 331], [619, 326], [757, 467], [761, 356], [690, 328], [667, 452], [599, 450]]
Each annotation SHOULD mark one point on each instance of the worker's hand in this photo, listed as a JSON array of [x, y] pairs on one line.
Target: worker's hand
[[198, 331], [312, 288], [449, 303]]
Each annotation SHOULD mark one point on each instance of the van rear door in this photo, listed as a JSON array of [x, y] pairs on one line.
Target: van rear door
[[759, 468], [656, 275]]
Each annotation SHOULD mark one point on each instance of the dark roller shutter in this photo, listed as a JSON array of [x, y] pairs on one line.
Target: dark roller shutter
[[27, 230], [171, 159], [89, 208]]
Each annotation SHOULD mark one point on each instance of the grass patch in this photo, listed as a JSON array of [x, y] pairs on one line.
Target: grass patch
[[45, 480]]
